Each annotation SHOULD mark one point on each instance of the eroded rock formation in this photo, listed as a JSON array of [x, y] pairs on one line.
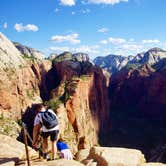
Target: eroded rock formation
[[79, 91], [20, 79], [138, 102]]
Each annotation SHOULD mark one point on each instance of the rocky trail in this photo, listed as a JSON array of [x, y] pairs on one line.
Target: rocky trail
[[12, 153]]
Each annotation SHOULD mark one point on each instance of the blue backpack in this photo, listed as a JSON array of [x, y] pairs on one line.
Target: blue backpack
[[49, 119]]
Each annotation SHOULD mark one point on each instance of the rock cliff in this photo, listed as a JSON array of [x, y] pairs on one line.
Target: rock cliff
[[29, 52], [78, 92], [73, 87], [114, 63], [138, 99], [10, 57], [20, 79]]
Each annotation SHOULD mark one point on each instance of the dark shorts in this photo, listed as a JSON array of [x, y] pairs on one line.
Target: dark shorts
[[53, 134]]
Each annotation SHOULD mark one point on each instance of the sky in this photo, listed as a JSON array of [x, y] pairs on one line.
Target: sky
[[96, 27]]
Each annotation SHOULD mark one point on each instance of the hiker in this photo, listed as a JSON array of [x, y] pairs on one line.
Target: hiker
[[46, 121], [64, 150]]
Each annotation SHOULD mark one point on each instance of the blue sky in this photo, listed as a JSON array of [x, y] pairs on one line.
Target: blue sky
[[96, 27]]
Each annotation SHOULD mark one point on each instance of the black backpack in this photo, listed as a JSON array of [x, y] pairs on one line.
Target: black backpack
[[49, 119]]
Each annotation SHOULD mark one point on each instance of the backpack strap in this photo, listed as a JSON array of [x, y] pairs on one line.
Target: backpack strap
[[44, 111]]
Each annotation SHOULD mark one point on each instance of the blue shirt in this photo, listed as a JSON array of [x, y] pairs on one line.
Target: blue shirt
[[61, 146]]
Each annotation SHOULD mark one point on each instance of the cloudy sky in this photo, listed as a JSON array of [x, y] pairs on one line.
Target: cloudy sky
[[96, 27]]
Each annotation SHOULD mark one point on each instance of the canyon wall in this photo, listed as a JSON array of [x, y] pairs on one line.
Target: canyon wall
[[78, 93]]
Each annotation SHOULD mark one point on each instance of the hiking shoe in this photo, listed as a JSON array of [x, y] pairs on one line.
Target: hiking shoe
[[46, 156]]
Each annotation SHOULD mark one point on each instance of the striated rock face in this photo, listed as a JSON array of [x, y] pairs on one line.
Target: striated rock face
[[82, 57], [20, 89], [82, 89], [20, 80], [79, 57], [10, 57], [148, 87], [150, 57], [29, 52], [114, 63], [138, 99]]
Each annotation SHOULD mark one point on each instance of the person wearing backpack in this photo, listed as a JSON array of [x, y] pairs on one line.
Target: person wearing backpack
[[46, 121]]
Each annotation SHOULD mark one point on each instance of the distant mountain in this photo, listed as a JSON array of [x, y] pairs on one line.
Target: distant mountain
[[52, 56], [161, 65], [114, 63], [80, 57], [150, 57], [29, 52]]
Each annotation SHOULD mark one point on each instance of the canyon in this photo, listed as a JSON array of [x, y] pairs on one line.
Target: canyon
[[94, 107]]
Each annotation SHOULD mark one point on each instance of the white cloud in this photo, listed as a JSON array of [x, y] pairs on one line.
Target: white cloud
[[131, 40], [103, 30], [155, 41], [116, 40], [68, 2], [73, 13], [88, 49], [60, 49], [128, 49], [94, 49], [5, 25], [29, 27], [131, 47], [56, 10], [73, 38], [85, 11], [107, 2], [104, 42]]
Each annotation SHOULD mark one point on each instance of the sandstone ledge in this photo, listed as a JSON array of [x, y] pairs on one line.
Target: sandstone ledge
[[12, 151]]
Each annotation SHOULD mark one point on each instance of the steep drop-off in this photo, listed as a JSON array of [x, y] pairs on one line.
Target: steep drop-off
[[138, 108], [77, 91]]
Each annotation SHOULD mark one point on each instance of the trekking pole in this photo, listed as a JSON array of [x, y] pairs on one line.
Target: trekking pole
[[26, 145]]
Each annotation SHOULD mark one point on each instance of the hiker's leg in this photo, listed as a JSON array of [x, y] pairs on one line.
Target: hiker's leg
[[54, 150], [54, 136], [45, 145], [45, 142]]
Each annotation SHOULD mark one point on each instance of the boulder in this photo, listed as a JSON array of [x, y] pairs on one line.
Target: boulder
[[60, 162], [116, 156], [9, 127], [7, 163], [82, 154], [153, 164], [12, 151]]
